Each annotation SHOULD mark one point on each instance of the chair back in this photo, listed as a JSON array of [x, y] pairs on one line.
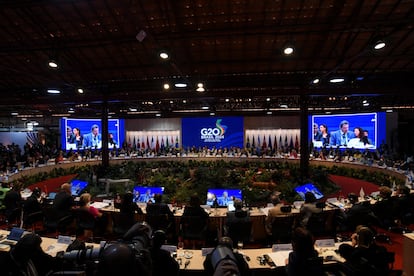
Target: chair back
[[84, 219], [321, 224], [121, 223], [282, 229], [158, 222], [240, 231], [194, 227]]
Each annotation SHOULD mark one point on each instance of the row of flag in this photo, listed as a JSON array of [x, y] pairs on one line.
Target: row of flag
[[156, 144], [267, 143]]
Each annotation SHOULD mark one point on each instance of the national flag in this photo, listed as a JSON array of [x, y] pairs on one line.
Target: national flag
[[148, 144], [157, 145], [253, 143], [138, 144], [162, 144], [167, 144], [176, 142], [275, 143], [134, 144], [286, 141], [143, 144], [152, 143], [129, 142], [297, 143], [248, 142], [270, 143], [264, 146], [291, 142], [258, 141], [280, 141], [172, 141]]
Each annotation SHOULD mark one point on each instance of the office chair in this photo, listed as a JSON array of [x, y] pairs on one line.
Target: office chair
[[282, 229], [121, 223], [53, 222], [240, 231], [85, 223], [32, 220], [194, 229], [321, 224]]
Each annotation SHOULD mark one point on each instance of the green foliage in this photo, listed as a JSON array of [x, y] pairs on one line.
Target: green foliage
[[182, 178]]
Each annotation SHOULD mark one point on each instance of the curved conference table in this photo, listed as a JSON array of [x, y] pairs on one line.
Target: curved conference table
[[398, 174]]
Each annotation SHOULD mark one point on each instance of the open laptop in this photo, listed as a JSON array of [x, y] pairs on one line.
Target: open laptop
[[14, 236]]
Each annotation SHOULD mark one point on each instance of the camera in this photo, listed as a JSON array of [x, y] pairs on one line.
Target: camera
[[126, 257]]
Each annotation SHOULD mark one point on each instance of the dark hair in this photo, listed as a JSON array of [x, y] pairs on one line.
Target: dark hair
[[310, 197], [344, 122], [302, 242], [157, 198], [195, 200]]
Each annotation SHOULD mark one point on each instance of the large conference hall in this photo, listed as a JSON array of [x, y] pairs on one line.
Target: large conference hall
[[200, 137]]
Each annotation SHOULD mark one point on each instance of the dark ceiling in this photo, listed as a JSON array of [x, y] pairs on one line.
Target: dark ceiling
[[110, 48]]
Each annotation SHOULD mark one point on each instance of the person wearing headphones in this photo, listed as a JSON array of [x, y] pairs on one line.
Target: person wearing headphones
[[363, 254]]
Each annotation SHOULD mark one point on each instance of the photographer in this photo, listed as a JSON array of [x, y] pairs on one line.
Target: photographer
[[162, 262], [129, 256], [223, 261]]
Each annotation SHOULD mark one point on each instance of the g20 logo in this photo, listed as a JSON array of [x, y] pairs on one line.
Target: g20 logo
[[210, 131]]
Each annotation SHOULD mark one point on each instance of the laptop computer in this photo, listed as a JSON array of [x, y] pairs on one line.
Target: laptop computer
[[14, 236]]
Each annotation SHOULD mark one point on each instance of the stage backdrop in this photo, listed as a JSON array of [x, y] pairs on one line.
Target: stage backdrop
[[212, 131]]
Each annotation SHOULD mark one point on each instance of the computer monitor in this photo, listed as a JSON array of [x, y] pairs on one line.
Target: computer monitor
[[309, 187], [222, 197], [78, 186], [144, 194]]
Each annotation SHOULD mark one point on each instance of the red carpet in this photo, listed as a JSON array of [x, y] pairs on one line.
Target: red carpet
[[52, 185], [352, 185]]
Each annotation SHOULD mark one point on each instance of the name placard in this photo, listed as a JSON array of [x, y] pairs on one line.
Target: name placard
[[325, 243], [281, 247], [64, 239], [169, 248], [206, 250]]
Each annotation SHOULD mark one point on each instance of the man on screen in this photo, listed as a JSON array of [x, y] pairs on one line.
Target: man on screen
[[342, 136], [92, 139], [224, 200]]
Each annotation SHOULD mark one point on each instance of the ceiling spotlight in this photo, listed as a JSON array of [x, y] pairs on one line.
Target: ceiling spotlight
[[288, 50], [267, 99], [180, 85], [71, 110], [200, 87], [212, 113], [166, 86], [158, 115], [205, 107], [269, 112], [227, 100], [164, 55], [14, 113], [53, 91], [53, 63], [379, 45], [315, 81], [336, 80], [80, 90]]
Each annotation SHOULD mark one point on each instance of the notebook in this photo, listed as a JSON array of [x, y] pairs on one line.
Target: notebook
[[14, 236]]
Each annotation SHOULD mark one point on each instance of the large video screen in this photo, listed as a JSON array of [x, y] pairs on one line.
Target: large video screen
[[309, 187], [222, 197], [87, 133], [358, 130], [78, 186], [211, 132], [144, 194]]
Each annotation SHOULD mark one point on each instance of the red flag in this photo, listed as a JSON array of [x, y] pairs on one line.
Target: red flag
[[297, 143], [148, 144], [264, 142], [157, 146]]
